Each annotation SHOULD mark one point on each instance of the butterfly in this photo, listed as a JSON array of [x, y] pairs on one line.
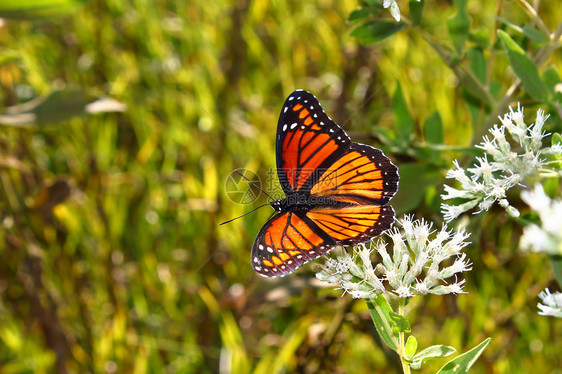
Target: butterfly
[[336, 190]]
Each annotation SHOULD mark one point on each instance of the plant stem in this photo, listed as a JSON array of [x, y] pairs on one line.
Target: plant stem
[[401, 340]]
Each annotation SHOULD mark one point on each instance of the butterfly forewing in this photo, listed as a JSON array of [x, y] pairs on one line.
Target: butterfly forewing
[[308, 141], [363, 175]]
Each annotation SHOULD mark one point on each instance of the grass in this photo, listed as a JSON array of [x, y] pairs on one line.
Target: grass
[[112, 258]]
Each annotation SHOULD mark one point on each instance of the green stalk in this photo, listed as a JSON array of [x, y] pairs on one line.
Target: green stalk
[[402, 341]]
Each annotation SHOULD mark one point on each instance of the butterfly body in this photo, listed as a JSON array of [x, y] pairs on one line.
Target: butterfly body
[[302, 203], [336, 190]]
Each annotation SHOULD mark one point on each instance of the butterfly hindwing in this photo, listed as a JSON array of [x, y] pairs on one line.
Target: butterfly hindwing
[[308, 141], [287, 241], [352, 224]]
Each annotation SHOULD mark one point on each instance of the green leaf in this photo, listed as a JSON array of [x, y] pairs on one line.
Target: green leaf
[[381, 319], [432, 352], [402, 118], [365, 12], [37, 9], [400, 323], [411, 347], [468, 81], [480, 37], [416, 11], [463, 363], [414, 179], [57, 107], [377, 30], [459, 26], [433, 129], [359, 14], [534, 34], [551, 79], [556, 138], [524, 67], [477, 63], [556, 262]]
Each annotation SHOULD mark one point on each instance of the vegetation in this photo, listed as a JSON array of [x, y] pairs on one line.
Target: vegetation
[[122, 121]]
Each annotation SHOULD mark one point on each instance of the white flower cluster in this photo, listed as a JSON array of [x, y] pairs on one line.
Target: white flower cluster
[[488, 181], [417, 265], [546, 238], [394, 9], [552, 304]]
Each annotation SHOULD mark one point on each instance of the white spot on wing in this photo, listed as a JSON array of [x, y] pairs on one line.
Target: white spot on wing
[[285, 127], [293, 125]]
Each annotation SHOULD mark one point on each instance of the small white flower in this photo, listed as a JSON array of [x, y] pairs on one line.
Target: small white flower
[[344, 262], [394, 9], [485, 205], [407, 225], [413, 268], [422, 230], [490, 147], [391, 276], [403, 291], [499, 133], [421, 288], [501, 168], [459, 266], [455, 288], [556, 149], [546, 237], [484, 170], [450, 212], [552, 304], [536, 199], [533, 238], [518, 116]]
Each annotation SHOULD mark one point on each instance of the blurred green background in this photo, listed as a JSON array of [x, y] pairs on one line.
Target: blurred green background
[[112, 259]]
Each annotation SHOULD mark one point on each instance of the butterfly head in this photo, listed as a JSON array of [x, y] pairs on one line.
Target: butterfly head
[[277, 205]]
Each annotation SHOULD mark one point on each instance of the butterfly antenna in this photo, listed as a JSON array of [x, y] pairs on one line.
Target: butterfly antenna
[[253, 184], [230, 220]]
